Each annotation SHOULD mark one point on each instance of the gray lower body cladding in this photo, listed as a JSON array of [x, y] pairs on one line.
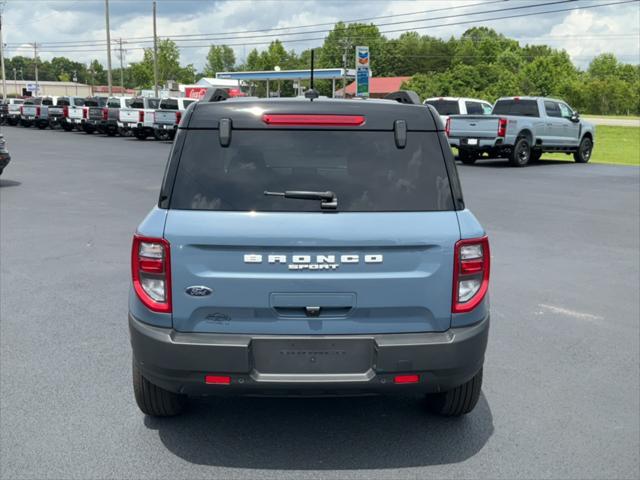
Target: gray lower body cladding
[[299, 365]]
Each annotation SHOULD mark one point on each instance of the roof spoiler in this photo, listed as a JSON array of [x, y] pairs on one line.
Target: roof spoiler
[[404, 96], [214, 95]]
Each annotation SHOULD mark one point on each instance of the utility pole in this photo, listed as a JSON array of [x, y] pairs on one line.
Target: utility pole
[[345, 45], [4, 80], [121, 67], [106, 12], [35, 62], [155, 52], [15, 80]]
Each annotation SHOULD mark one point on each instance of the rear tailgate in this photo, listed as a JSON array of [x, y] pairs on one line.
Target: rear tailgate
[[56, 111], [30, 111], [473, 126], [166, 117], [129, 115], [95, 113]]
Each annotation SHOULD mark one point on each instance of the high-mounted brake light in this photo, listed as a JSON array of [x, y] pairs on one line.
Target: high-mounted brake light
[[217, 379], [471, 265], [151, 272], [302, 120], [140, 116], [105, 114], [502, 127], [406, 379], [447, 127]]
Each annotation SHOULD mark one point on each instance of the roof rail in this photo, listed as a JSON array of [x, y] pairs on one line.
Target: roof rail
[[214, 95], [404, 96]]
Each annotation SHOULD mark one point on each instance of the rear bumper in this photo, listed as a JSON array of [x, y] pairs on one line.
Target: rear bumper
[[179, 361]]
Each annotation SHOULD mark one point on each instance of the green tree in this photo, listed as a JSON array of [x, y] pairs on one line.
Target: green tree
[[219, 59]]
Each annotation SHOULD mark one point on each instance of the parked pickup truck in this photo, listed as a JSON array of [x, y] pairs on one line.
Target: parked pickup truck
[[30, 111], [167, 117], [67, 113], [12, 114], [94, 114], [111, 118], [37, 113], [522, 129], [138, 118], [446, 106]]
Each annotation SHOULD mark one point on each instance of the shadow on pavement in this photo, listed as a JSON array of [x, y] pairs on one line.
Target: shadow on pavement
[[500, 163], [9, 183], [322, 433]]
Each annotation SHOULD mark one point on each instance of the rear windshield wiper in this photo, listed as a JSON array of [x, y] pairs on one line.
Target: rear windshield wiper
[[328, 199]]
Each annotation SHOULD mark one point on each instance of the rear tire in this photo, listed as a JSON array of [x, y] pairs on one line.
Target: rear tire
[[42, 126], [466, 157], [459, 401], [141, 135], [584, 151], [66, 127], [521, 153], [161, 135], [153, 400]]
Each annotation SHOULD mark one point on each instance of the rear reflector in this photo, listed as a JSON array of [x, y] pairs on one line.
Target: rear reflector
[[406, 379], [313, 120], [217, 380]]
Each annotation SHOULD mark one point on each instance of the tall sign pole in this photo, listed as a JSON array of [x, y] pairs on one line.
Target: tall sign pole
[[4, 80], [106, 14], [363, 67], [155, 52]]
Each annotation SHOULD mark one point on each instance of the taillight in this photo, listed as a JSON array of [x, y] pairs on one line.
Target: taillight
[[21, 110], [37, 111], [471, 266], [151, 272], [178, 117], [502, 127], [85, 112], [447, 127], [305, 120], [105, 114], [65, 111], [140, 116]]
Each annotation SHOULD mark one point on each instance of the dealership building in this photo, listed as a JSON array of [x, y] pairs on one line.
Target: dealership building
[[18, 88]]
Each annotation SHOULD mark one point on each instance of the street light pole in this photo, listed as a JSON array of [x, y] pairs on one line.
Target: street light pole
[[106, 8], [35, 61], [155, 52]]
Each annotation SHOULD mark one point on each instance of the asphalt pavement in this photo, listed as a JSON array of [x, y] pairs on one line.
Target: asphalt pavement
[[561, 396]]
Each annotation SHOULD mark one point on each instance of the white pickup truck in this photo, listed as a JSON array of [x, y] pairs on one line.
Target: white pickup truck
[[139, 117], [12, 114], [446, 106], [168, 116]]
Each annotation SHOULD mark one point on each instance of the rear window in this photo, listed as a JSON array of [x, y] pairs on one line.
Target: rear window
[[153, 102], [524, 108], [366, 170], [187, 103], [92, 102], [47, 101], [445, 107], [62, 102], [137, 103], [169, 104], [474, 108]]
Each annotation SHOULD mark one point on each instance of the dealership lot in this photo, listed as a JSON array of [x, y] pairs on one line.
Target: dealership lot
[[561, 392]]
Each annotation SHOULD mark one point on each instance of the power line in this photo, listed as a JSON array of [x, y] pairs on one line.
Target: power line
[[204, 36], [311, 39]]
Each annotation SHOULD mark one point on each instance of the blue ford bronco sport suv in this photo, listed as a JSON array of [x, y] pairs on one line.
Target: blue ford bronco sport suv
[[314, 247]]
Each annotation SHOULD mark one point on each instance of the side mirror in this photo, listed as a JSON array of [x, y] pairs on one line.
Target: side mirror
[[575, 117]]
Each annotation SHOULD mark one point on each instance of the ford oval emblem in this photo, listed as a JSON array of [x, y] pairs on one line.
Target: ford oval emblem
[[198, 291]]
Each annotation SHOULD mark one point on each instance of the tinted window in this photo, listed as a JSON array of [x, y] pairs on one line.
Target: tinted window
[[153, 102], [17, 101], [137, 103], [474, 108], [78, 102], [187, 103], [169, 104], [525, 108], [92, 102], [128, 102], [487, 108], [365, 169], [445, 107], [47, 101], [552, 109], [113, 103], [63, 102]]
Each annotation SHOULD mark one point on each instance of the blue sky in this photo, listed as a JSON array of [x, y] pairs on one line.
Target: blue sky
[[583, 33]]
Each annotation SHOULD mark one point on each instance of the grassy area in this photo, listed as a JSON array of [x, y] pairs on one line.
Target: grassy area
[[620, 117], [619, 145]]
